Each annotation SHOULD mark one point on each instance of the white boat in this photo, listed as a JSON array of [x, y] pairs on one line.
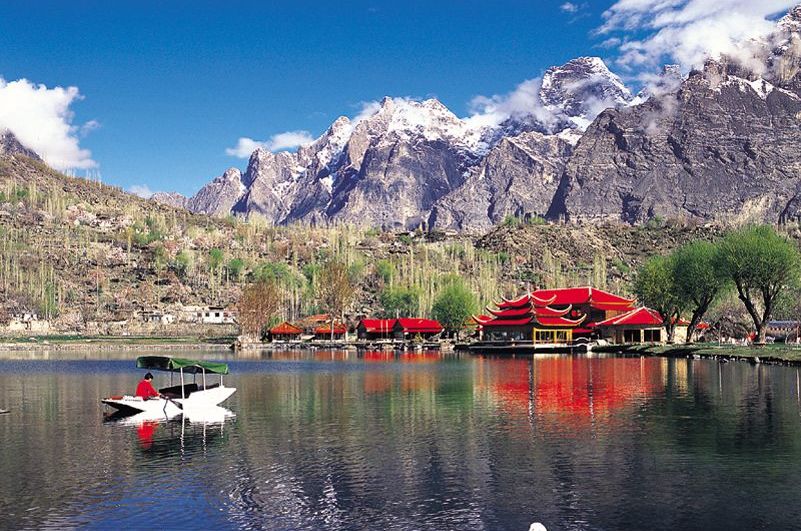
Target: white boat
[[186, 398]]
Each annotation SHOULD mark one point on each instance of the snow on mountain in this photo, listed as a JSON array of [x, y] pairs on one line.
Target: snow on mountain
[[392, 163], [581, 88]]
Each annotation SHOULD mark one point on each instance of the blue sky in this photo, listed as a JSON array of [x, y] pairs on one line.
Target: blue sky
[[173, 84]]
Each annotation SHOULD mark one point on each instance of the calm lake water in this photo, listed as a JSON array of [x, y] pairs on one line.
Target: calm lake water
[[417, 441]]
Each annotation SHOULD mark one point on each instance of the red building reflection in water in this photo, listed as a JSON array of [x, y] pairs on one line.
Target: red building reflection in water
[[578, 388]]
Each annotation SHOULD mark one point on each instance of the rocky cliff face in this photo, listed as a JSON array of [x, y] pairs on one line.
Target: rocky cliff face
[[10, 145], [172, 199], [219, 196], [518, 177], [410, 162], [721, 144], [724, 146]]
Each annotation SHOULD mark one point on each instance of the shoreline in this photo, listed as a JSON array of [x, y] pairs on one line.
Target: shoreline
[[767, 354], [75, 343]]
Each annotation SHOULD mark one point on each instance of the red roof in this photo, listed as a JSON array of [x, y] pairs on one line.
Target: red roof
[[414, 325], [339, 328], [286, 329], [560, 321], [485, 320], [510, 313], [377, 326], [523, 300], [598, 298], [637, 317]]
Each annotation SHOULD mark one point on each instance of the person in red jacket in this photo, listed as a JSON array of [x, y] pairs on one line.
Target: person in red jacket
[[145, 388]]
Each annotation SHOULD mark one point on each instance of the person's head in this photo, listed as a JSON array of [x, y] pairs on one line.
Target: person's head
[[148, 377]]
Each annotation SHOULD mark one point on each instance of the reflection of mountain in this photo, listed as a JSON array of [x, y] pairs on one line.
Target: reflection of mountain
[[467, 444]]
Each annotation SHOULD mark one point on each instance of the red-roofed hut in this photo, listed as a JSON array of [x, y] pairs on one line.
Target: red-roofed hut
[[375, 329], [324, 331], [285, 332], [411, 327], [640, 325]]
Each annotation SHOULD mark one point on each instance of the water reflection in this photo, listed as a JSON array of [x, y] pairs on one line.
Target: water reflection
[[338, 440]]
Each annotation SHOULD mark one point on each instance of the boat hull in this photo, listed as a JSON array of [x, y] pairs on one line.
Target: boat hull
[[196, 402]]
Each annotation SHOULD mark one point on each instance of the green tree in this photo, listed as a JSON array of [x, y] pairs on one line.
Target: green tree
[[235, 267], [698, 279], [454, 305], [761, 263], [183, 264], [656, 287], [216, 259], [400, 302], [385, 270]]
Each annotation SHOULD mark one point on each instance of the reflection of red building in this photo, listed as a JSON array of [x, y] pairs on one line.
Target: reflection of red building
[[576, 389]]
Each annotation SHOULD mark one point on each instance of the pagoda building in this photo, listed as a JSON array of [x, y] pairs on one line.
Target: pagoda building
[[528, 318], [551, 316]]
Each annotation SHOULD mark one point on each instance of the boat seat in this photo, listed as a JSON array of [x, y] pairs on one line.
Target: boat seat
[[175, 391]]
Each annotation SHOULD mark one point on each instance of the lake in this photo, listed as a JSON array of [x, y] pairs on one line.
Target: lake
[[336, 440]]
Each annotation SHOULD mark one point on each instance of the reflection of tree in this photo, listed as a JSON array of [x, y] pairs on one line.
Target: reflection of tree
[[476, 443]]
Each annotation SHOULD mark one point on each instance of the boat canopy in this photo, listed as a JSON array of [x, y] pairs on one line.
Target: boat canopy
[[167, 363]]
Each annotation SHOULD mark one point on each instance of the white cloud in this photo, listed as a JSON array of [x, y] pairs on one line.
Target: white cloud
[[142, 190], [524, 100], [41, 119], [281, 141], [569, 7], [688, 31]]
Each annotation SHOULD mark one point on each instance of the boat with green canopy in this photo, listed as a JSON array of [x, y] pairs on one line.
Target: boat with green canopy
[[177, 399]]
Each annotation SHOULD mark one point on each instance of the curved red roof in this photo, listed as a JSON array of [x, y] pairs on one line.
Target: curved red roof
[[511, 312], [485, 320], [560, 321], [598, 298], [529, 298]]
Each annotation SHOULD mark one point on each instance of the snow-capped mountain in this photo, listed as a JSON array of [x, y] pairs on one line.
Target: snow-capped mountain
[[582, 88], [401, 160]]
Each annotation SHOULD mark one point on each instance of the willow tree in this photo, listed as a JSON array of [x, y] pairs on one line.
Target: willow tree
[[698, 279], [257, 306], [656, 287], [761, 263]]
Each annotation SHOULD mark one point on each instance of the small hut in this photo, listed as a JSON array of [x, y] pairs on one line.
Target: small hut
[[324, 331], [410, 327], [375, 328], [641, 325], [285, 332]]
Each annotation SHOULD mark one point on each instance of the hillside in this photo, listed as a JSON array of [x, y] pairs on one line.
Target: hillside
[[85, 255]]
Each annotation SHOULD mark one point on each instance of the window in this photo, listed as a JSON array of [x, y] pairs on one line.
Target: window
[[543, 336], [631, 336], [652, 336], [561, 336]]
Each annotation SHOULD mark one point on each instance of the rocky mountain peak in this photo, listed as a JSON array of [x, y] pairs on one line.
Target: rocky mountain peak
[[582, 88], [792, 20], [10, 145]]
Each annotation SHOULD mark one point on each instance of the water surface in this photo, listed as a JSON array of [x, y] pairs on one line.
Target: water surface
[[331, 440]]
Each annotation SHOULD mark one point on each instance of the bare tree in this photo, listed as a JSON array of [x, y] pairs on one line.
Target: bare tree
[[335, 290], [258, 304]]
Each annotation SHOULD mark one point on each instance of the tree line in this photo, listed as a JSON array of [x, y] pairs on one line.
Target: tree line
[[756, 263]]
